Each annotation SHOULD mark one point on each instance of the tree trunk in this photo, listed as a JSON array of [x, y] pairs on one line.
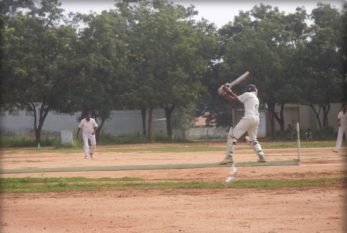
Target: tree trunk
[[143, 116], [273, 116], [326, 109], [281, 119], [271, 108], [168, 114], [41, 119], [38, 137], [316, 114], [37, 134], [98, 130], [149, 131]]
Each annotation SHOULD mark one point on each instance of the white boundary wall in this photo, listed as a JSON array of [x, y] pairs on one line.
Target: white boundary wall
[[130, 122], [201, 132], [120, 122]]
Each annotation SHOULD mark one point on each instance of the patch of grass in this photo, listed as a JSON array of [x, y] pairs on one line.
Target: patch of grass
[[76, 145], [301, 183], [33, 185], [39, 185], [27, 141], [293, 144], [107, 139]]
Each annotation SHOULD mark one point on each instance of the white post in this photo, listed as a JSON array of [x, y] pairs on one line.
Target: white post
[[298, 134]]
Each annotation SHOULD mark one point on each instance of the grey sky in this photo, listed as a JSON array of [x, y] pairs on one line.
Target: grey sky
[[219, 12]]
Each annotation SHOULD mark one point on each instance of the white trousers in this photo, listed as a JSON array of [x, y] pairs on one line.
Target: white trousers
[[246, 124], [249, 125], [86, 149], [341, 131]]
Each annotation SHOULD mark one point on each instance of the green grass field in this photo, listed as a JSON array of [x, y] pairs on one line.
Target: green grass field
[[41, 185]]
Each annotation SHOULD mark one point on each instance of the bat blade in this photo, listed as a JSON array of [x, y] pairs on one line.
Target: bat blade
[[239, 79]]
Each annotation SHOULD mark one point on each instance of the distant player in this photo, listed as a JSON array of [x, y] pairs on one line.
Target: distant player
[[249, 123], [88, 126], [342, 127]]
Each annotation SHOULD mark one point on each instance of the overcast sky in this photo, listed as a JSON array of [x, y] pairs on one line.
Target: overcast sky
[[219, 12]]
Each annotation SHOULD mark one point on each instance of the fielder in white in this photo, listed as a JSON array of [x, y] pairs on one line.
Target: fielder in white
[[88, 126], [249, 123], [342, 124]]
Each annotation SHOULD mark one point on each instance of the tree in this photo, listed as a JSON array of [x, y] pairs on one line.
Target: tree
[[10, 7], [169, 57], [35, 49], [323, 59], [344, 51], [101, 64]]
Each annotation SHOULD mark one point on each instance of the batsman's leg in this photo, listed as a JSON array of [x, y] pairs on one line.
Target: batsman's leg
[[233, 135], [230, 148], [252, 134], [257, 148]]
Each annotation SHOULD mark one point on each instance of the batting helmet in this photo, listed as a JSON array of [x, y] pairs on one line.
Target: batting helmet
[[251, 88]]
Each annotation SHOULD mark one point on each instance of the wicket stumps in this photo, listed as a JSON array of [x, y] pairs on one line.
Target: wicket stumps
[[298, 135]]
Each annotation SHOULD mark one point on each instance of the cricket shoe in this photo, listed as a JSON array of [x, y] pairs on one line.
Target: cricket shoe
[[226, 161], [261, 159], [91, 152]]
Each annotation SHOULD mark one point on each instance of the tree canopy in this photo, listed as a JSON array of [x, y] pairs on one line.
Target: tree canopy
[[153, 54]]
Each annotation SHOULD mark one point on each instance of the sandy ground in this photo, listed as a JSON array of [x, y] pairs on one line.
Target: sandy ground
[[226, 210]]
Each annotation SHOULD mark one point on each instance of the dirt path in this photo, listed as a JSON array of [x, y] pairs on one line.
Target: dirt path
[[156, 211], [222, 211]]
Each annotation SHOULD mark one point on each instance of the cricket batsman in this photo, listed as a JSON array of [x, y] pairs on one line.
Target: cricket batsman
[[249, 122]]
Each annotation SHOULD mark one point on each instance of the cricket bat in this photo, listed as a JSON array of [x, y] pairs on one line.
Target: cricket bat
[[233, 83], [239, 79]]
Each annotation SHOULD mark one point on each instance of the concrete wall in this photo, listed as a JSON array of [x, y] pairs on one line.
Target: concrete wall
[[304, 115], [206, 132], [120, 122], [129, 122]]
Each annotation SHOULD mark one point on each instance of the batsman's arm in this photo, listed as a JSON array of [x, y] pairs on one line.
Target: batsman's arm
[[229, 94]]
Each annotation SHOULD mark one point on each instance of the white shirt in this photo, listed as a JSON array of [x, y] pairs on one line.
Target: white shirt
[[343, 119], [88, 126], [251, 103]]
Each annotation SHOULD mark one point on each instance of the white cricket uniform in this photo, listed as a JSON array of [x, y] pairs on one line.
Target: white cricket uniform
[[87, 128], [342, 116], [249, 123]]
